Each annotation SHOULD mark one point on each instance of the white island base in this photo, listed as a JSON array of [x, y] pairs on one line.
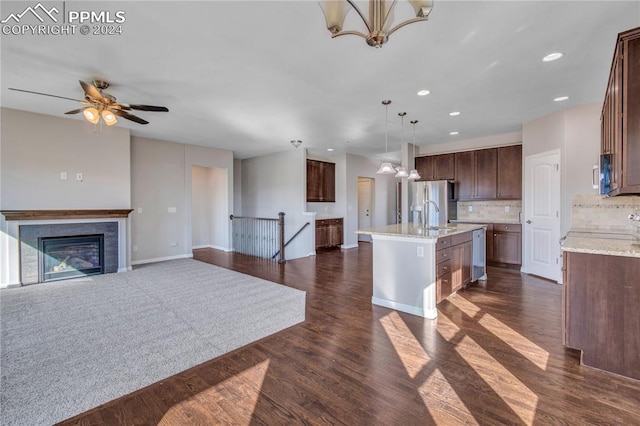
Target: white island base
[[404, 274]]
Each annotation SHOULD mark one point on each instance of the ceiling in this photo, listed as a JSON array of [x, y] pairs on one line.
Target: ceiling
[[249, 76]]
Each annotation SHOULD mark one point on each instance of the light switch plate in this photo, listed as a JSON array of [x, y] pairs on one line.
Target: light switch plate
[[139, 209], [63, 175], [506, 209], [470, 208], [171, 209]]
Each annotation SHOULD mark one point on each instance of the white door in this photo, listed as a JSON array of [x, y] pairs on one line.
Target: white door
[[365, 189], [542, 215]]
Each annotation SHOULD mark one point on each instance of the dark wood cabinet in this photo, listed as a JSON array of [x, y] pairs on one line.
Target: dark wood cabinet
[[476, 174], [507, 244], [454, 261], [509, 173], [329, 233], [620, 119], [436, 167], [321, 181], [600, 306]]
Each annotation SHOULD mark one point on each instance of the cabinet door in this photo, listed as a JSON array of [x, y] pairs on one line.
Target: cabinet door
[[314, 181], [443, 167], [465, 172], [510, 172], [616, 124], [424, 166], [486, 168], [328, 183], [335, 234], [507, 247], [631, 120], [457, 261], [489, 242], [443, 287], [322, 236]]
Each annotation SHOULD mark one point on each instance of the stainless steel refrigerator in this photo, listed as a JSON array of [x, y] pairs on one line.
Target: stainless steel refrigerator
[[440, 192]]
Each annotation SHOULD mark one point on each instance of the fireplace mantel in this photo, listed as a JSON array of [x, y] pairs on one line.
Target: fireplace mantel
[[65, 214]]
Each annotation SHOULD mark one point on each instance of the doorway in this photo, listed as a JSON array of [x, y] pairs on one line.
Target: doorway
[[209, 211], [542, 215], [365, 206]]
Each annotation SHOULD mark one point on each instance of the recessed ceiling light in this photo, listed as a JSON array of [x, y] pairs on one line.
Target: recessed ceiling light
[[454, 113], [330, 149], [552, 57], [454, 133], [561, 98], [423, 92]]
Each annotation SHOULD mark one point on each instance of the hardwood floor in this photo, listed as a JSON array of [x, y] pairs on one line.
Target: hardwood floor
[[493, 356]]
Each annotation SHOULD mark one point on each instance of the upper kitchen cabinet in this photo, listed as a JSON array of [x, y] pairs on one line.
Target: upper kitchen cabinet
[[510, 172], [436, 167], [620, 118], [321, 181], [476, 174]]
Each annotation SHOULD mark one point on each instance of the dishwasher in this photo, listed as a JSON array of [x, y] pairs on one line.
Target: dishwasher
[[479, 250]]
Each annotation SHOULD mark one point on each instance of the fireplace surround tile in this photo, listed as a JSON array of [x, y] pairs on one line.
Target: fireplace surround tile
[[29, 235]]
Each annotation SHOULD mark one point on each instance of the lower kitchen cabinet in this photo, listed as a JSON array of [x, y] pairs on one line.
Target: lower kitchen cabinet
[[507, 244], [329, 233], [454, 260], [600, 307]]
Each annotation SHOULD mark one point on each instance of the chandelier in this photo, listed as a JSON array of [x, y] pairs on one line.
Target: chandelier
[[379, 24]]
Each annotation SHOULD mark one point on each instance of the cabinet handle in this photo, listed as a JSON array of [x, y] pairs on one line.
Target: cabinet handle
[[445, 281], [444, 254], [445, 269], [506, 227], [495, 235]]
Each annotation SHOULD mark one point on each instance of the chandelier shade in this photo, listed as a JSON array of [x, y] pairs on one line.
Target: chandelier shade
[[380, 18]]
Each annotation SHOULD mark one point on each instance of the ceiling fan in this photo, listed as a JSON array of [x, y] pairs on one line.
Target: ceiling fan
[[99, 103]]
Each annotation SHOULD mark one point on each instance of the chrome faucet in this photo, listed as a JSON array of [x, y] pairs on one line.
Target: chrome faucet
[[425, 211]]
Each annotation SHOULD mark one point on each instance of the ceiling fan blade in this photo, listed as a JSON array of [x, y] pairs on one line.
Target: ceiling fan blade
[[147, 108], [91, 91], [74, 111], [131, 117], [45, 94]]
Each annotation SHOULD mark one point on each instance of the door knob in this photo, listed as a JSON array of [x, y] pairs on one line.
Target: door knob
[[529, 221]]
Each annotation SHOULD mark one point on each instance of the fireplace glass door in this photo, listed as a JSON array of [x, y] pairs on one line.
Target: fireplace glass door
[[67, 257]]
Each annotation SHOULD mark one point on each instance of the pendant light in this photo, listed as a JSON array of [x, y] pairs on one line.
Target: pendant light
[[386, 168], [402, 171], [413, 174]]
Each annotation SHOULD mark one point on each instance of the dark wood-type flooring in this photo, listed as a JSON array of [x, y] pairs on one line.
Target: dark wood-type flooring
[[493, 356]]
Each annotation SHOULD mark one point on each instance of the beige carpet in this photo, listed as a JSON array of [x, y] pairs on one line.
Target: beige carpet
[[69, 346]]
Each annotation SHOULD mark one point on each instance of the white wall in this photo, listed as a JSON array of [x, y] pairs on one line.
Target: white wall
[[277, 183], [237, 187], [36, 148], [162, 179]]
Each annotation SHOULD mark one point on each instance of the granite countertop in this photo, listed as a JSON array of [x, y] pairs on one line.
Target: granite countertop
[[417, 231], [602, 241], [508, 221]]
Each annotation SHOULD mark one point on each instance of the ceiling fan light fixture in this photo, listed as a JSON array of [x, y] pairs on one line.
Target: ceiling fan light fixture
[[109, 117], [91, 114]]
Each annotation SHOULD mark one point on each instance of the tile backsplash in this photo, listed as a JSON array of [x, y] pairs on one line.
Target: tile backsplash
[[490, 211], [594, 211]]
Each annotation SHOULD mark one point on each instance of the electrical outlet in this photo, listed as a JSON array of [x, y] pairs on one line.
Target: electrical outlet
[[420, 252], [172, 210], [79, 177], [470, 208], [134, 248], [63, 175], [506, 209], [139, 209], [173, 244]]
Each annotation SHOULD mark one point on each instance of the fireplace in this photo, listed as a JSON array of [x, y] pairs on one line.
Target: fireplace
[[73, 256]]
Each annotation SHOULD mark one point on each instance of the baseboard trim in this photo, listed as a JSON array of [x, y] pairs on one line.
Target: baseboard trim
[[11, 285], [350, 246], [429, 313], [162, 259], [211, 246]]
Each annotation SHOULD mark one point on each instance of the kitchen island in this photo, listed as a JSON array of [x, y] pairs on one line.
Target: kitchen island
[[415, 267]]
